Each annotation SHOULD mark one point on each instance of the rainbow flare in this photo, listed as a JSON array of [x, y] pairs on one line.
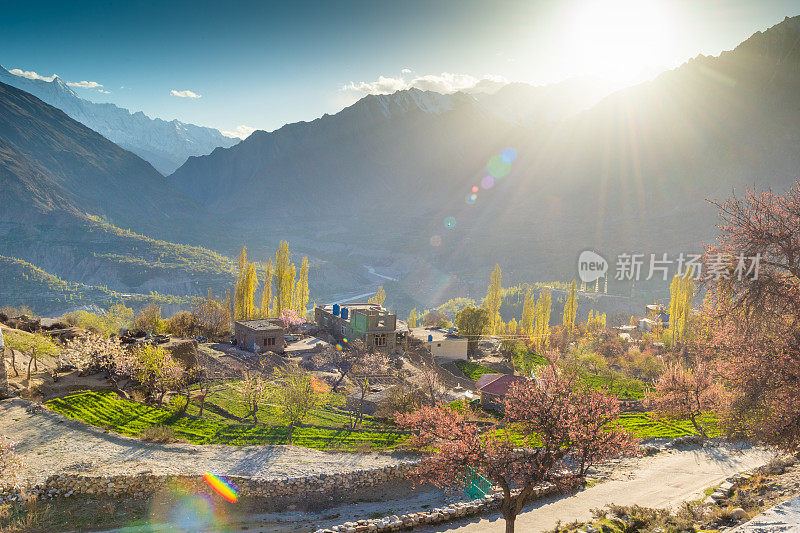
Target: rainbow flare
[[221, 486]]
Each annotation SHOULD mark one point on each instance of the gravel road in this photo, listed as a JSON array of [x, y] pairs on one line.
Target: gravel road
[[51, 443], [659, 481]]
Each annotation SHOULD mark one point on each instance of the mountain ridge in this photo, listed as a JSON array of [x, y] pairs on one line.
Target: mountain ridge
[[164, 144]]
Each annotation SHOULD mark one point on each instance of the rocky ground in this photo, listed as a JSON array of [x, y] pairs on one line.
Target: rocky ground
[[51, 443]]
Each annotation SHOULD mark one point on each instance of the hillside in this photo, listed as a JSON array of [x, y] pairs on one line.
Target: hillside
[[631, 173], [164, 144], [26, 284], [66, 191]]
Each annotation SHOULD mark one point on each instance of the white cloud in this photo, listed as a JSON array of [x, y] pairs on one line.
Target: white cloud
[[104, 92], [185, 94], [241, 132], [31, 75], [85, 84], [444, 83]]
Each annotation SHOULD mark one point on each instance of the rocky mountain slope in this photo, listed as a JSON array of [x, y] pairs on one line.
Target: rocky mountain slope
[[164, 144], [631, 173], [63, 184]]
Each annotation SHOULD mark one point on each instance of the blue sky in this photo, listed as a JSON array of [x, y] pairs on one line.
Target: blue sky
[[263, 64]]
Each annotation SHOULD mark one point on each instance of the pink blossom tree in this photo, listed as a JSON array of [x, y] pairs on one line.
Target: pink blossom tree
[[291, 319], [561, 430], [10, 463], [682, 393], [753, 322]]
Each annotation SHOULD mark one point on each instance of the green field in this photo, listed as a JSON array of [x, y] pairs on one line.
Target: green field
[[622, 387], [648, 426], [473, 370], [106, 409]]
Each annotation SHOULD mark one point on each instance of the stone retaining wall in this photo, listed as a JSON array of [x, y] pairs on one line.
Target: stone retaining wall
[[432, 516], [141, 485]]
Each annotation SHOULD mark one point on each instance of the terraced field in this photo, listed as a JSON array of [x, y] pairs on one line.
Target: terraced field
[[647, 426], [107, 410]]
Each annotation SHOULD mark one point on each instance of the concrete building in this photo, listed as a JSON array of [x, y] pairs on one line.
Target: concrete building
[[373, 324], [259, 335], [443, 344]]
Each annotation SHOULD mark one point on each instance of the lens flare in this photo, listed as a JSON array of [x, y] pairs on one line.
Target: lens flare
[[338, 347], [497, 167], [436, 240], [450, 222], [470, 199], [191, 513], [487, 182], [474, 188], [344, 340], [221, 486], [509, 155]]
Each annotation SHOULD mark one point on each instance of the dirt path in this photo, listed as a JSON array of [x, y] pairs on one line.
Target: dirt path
[[663, 480], [51, 443]]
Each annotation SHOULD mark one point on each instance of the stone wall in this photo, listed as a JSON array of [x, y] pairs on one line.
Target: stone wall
[[143, 484]]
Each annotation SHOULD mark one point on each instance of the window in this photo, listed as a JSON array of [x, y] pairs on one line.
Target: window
[[439, 345], [380, 340], [270, 341]]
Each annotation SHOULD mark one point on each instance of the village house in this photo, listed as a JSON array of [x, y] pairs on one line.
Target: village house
[[493, 389], [445, 345], [372, 323], [656, 317], [260, 335]]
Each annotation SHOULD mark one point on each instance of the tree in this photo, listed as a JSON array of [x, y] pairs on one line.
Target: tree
[[297, 393], [213, 316], [471, 322], [152, 367], [301, 289], [148, 319], [681, 292], [379, 297], [681, 393], [368, 365], [412, 318], [266, 294], [528, 313], [568, 424], [570, 309], [291, 319], [92, 353], [284, 285], [753, 322], [253, 389], [436, 319], [34, 345], [182, 324], [541, 327], [10, 463], [494, 297]]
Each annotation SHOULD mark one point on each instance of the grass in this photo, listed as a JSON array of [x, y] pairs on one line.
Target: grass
[[107, 410], [227, 397], [473, 370], [622, 387], [648, 426]]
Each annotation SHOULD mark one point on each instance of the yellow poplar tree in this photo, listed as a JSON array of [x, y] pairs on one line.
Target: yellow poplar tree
[[527, 313], [541, 327], [379, 297], [301, 289], [412, 318], [266, 293], [283, 287], [570, 308], [494, 298]]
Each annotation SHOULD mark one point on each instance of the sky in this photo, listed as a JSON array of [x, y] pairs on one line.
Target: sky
[[246, 65]]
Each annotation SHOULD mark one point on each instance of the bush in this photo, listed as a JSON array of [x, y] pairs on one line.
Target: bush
[[182, 324], [149, 319], [160, 434]]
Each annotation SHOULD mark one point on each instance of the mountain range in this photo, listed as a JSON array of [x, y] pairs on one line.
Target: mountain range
[[387, 183], [164, 144]]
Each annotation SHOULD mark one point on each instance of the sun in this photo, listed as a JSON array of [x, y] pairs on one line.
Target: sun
[[618, 39]]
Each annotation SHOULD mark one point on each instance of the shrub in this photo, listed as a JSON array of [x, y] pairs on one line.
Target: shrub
[[160, 434], [182, 324], [149, 319]]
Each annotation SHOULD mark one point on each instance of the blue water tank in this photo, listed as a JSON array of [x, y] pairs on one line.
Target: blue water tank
[[430, 338], [345, 313], [335, 309]]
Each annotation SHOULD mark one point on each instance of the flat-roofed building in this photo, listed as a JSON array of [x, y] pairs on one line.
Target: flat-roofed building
[[442, 343], [372, 323], [260, 335]]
